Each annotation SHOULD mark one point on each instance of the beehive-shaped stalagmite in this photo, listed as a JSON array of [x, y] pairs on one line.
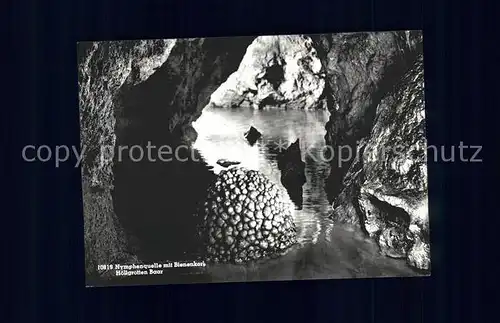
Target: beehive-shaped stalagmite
[[246, 217]]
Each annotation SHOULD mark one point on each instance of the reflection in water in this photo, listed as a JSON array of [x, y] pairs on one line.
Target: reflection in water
[[324, 251], [220, 135]]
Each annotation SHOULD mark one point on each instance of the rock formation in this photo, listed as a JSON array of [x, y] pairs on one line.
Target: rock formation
[[252, 135], [360, 68], [293, 175], [149, 92], [385, 188], [227, 163], [135, 92], [246, 217], [107, 69], [276, 71]]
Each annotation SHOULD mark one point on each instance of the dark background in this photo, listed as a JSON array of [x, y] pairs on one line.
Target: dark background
[[42, 255]]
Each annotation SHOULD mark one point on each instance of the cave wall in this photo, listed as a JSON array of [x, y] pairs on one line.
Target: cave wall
[[134, 92], [131, 92], [385, 188], [360, 69], [375, 89], [106, 69]]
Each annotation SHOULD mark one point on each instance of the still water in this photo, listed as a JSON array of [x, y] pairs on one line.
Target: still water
[[326, 249]]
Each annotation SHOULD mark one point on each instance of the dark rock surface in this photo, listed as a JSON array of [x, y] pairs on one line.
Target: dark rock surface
[[140, 93], [227, 163], [252, 135], [105, 70], [385, 188], [246, 217], [360, 68], [293, 176]]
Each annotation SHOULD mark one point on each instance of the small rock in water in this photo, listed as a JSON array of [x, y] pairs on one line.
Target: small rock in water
[[293, 172], [252, 135], [227, 163]]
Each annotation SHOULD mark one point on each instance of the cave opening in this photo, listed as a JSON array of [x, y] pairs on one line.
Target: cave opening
[[275, 75], [159, 180]]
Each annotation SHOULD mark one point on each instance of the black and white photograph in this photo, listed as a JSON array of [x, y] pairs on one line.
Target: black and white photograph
[[254, 158]]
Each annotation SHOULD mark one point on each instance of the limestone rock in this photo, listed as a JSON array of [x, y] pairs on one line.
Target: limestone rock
[[112, 83], [135, 92], [278, 72], [105, 68], [393, 242], [386, 186], [394, 159], [246, 217], [419, 253], [360, 68]]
